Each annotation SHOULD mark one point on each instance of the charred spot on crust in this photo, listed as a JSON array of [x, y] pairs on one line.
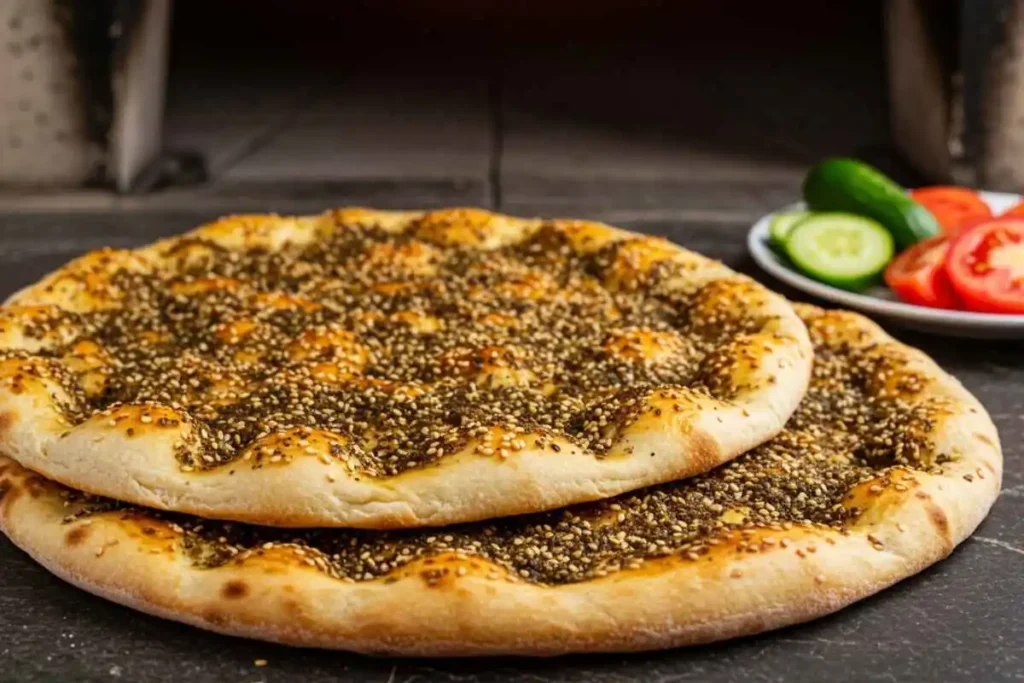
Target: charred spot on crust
[[705, 453], [76, 536], [234, 590], [939, 519], [214, 616], [35, 485], [10, 491]]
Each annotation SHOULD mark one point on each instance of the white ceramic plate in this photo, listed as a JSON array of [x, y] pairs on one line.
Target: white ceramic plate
[[880, 302]]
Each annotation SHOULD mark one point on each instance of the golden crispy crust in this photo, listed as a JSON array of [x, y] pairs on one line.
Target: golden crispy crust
[[135, 452], [459, 605]]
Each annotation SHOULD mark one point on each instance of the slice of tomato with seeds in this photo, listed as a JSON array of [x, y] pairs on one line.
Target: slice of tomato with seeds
[[986, 266], [955, 208], [918, 277]]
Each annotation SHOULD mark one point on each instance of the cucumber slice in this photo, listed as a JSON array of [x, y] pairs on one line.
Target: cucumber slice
[[841, 249], [850, 186], [781, 225]]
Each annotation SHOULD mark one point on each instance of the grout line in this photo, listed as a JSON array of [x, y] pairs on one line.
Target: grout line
[[60, 201], [94, 201], [725, 216], [263, 138], [716, 216]]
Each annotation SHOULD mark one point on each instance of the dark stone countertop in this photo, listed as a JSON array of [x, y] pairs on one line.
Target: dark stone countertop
[[961, 620]]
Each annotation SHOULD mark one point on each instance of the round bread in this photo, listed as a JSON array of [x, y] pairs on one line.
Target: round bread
[[383, 370], [886, 466]]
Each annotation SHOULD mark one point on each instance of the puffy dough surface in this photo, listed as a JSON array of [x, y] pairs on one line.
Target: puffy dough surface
[[407, 318], [472, 589]]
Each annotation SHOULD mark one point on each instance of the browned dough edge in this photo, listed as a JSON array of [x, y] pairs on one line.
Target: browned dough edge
[[422, 610], [462, 486]]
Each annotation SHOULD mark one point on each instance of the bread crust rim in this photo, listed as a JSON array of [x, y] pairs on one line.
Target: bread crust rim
[[318, 491], [451, 608]]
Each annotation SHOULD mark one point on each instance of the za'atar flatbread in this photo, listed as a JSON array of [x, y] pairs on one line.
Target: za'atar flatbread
[[887, 464], [372, 369]]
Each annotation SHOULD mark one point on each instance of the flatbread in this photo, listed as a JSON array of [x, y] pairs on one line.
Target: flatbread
[[380, 370], [887, 465]]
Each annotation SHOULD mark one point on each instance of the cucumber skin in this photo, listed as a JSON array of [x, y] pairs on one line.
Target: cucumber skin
[[849, 186], [777, 243], [855, 285]]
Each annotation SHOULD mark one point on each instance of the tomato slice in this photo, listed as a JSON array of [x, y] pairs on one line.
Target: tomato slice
[[986, 266], [917, 275], [955, 208]]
